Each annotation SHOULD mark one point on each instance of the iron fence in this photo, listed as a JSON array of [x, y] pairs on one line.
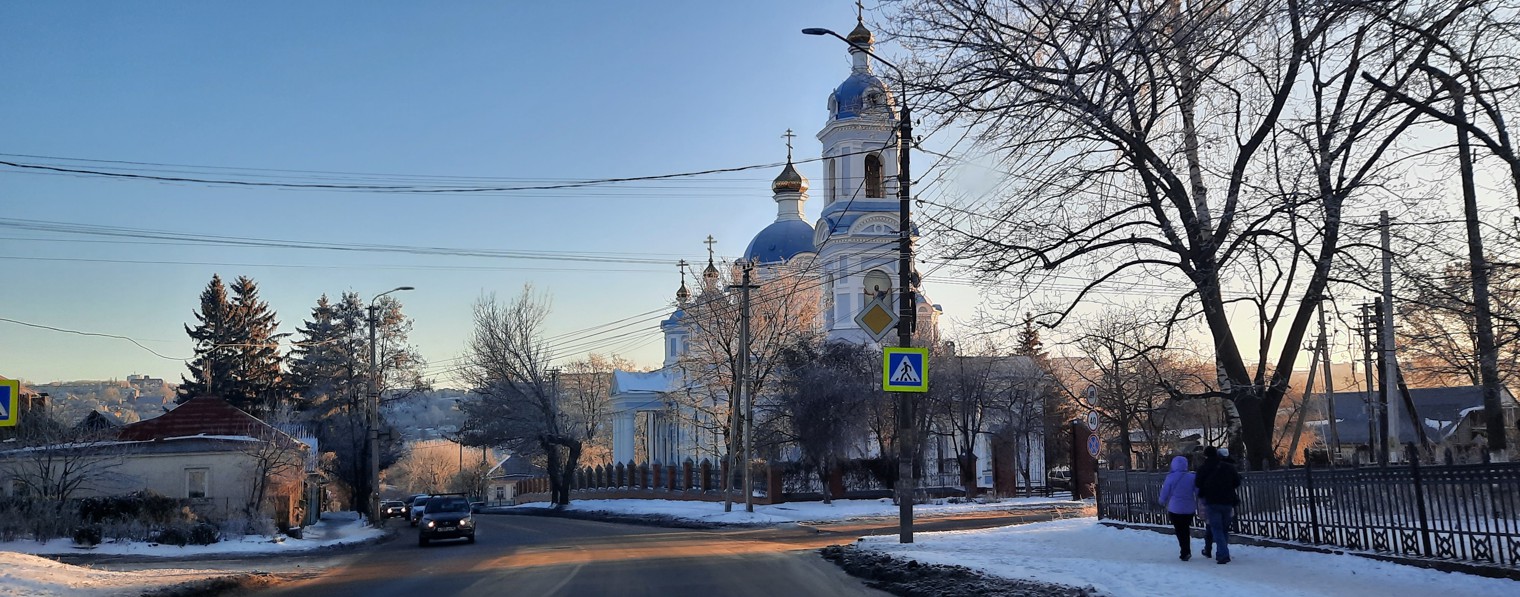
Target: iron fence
[[1468, 513]]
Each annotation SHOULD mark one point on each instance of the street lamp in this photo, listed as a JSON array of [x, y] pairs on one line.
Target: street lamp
[[372, 408], [906, 318]]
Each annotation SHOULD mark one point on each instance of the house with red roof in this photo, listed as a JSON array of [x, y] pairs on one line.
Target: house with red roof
[[222, 461]]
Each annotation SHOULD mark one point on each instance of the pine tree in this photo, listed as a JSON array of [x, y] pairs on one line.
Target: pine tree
[[237, 349], [211, 369], [325, 365], [1029, 343]]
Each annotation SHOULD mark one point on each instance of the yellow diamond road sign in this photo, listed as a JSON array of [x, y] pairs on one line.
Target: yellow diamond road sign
[[877, 318]]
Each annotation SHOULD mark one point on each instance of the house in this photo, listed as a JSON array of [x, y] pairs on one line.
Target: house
[[502, 479], [1452, 417], [220, 459]]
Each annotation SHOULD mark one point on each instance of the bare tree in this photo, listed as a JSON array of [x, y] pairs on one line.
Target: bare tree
[[276, 461], [1157, 144], [51, 461], [818, 401], [585, 390], [507, 364]]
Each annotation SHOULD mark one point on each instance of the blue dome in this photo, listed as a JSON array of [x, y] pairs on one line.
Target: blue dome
[[849, 100], [780, 241]]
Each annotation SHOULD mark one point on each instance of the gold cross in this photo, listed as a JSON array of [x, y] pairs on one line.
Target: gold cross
[[788, 137], [860, 12]]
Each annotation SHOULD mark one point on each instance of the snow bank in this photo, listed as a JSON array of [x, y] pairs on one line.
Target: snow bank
[[31, 576], [336, 528], [1125, 563]]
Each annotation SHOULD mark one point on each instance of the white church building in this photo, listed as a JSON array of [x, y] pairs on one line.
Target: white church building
[[851, 249]]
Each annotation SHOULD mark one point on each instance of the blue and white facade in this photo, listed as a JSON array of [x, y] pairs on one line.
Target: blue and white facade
[[852, 250]]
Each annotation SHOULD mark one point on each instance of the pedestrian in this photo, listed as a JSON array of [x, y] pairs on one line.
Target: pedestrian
[[1178, 495], [1216, 487], [1210, 461]]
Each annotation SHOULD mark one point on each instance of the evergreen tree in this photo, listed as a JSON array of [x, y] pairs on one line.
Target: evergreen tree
[[1029, 343], [211, 369], [325, 365], [237, 349], [259, 364]]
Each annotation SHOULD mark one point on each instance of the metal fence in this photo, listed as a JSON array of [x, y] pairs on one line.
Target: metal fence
[[1468, 513]]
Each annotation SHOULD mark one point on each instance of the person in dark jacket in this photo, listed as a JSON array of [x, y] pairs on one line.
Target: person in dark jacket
[[1216, 487], [1177, 494], [1210, 461]]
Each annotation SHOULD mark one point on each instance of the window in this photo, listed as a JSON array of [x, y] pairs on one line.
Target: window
[[873, 176], [197, 482], [828, 180]]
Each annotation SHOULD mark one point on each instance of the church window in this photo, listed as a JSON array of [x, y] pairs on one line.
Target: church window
[[873, 176], [828, 179], [877, 283]]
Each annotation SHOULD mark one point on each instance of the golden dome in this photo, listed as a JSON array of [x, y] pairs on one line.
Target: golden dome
[[790, 181], [860, 35]]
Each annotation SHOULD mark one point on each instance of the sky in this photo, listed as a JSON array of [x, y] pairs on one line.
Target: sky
[[480, 93]]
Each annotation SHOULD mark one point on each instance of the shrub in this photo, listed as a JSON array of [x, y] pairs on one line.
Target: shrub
[[173, 535], [203, 533], [87, 535]]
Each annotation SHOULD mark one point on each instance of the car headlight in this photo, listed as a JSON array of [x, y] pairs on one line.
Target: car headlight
[[466, 521], [430, 524]]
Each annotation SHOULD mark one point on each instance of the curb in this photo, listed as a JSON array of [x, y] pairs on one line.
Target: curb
[[1441, 565]]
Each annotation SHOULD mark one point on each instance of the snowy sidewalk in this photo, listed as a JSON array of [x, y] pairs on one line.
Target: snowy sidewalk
[[1134, 563]]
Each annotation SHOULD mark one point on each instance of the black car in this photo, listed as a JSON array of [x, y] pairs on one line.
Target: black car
[[392, 509], [446, 517]]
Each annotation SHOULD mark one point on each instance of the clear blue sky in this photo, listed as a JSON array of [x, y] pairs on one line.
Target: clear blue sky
[[511, 92]]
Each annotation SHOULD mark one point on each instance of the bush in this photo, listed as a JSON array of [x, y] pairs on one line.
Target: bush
[[204, 533], [88, 535], [172, 536]]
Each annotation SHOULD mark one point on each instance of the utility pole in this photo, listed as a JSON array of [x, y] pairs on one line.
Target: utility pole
[[372, 409], [1324, 345], [746, 397], [1365, 326], [1390, 357]]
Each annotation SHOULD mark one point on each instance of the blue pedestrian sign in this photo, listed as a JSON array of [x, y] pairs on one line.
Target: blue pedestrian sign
[[905, 369], [10, 398], [1092, 445]]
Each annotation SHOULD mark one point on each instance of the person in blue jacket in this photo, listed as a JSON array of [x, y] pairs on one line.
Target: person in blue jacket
[[1177, 495]]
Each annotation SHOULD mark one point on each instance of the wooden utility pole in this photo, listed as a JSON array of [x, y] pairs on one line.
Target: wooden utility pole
[[1390, 358], [1324, 345]]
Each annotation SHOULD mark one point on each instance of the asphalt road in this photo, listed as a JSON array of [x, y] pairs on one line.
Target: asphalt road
[[535, 555]]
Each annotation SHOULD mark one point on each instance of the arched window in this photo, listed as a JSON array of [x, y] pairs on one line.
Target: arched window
[[873, 176], [828, 179]]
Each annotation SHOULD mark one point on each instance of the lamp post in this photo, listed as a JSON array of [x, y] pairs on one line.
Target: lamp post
[[906, 318], [372, 409]]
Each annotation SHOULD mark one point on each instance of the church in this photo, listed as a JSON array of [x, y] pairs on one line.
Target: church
[[849, 253]]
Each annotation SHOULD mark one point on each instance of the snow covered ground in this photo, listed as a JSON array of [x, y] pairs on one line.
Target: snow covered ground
[[22, 573], [31, 576], [712, 512], [335, 528], [1133, 563]]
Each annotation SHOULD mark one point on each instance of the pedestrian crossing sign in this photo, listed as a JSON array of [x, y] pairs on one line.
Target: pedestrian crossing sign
[[905, 369], [10, 397]]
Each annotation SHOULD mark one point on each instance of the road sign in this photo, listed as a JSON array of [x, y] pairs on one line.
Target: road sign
[[1092, 445], [10, 400], [877, 318], [1092, 420], [905, 369]]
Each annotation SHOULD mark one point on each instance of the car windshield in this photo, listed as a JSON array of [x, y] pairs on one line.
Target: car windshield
[[419, 503], [448, 506]]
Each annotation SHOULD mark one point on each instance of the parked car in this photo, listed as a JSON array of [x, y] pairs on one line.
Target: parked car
[[412, 498], [446, 517], [1059, 478], [418, 505], [392, 509]]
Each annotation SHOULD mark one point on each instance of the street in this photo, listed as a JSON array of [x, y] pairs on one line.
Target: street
[[536, 555]]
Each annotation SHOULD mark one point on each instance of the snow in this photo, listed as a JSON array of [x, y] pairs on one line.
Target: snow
[[796, 512], [1125, 563], [32, 576], [336, 528]]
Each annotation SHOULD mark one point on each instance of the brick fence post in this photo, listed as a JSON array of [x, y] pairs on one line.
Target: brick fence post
[[686, 475], [773, 483], [706, 470]]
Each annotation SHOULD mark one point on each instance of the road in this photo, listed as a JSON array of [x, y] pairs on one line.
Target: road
[[541, 555], [536, 555]]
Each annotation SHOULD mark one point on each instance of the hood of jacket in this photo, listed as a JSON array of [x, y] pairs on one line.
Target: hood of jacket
[[1179, 464]]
